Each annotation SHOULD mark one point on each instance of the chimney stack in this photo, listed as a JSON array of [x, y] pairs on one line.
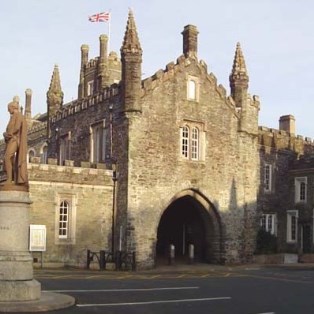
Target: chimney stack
[[190, 33], [287, 123]]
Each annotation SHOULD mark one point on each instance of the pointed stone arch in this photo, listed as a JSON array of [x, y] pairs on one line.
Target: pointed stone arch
[[190, 218]]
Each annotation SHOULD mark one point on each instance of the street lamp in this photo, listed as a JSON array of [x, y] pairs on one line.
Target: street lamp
[[114, 179]]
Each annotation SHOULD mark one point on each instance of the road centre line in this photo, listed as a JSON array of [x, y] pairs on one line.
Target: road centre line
[[125, 290], [153, 302]]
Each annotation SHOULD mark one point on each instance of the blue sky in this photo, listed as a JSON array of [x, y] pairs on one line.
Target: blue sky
[[276, 38]]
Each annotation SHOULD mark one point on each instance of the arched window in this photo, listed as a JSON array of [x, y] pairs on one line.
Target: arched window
[[44, 152], [185, 142], [195, 144], [192, 141], [31, 154], [64, 220]]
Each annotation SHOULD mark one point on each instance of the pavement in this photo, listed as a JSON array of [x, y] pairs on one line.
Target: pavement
[[175, 269]]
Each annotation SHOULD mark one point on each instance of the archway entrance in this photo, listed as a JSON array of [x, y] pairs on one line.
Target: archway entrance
[[185, 222]]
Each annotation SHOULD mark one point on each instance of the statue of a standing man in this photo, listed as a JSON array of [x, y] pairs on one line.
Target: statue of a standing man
[[15, 157]]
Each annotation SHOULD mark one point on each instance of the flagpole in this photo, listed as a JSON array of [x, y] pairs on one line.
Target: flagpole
[[109, 29]]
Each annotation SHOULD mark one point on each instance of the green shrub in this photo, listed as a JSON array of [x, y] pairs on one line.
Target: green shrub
[[266, 243]]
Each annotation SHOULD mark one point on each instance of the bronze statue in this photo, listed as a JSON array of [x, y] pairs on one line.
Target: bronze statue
[[15, 157]]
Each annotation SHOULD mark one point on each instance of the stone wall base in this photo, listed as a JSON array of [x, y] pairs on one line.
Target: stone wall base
[[306, 258], [281, 258]]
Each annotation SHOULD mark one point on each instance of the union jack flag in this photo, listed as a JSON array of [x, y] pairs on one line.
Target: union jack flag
[[100, 17]]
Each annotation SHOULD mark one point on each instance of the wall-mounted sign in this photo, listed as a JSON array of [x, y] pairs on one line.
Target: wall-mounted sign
[[37, 238]]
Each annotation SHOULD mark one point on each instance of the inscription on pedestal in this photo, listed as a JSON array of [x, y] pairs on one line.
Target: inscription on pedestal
[[4, 228]]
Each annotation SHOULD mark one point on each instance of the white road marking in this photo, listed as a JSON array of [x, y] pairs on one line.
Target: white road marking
[[154, 302], [124, 290]]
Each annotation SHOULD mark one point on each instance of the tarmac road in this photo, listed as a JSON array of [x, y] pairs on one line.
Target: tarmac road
[[188, 289]]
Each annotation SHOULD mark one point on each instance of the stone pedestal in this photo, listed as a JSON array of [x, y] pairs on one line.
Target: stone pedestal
[[19, 292], [16, 265]]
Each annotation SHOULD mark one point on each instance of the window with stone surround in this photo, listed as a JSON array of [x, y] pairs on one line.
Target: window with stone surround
[[192, 139], [268, 176], [90, 88], [64, 148], [292, 226], [300, 185], [65, 219], [268, 223], [192, 88], [98, 135]]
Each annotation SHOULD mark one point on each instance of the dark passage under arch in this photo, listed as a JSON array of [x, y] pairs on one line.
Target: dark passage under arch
[[186, 222]]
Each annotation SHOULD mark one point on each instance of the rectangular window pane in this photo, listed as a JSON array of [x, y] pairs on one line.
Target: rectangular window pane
[[302, 191], [270, 223], [292, 226], [194, 144], [192, 89], [98, 144], [185, 142], [267, 177], [263, 222]]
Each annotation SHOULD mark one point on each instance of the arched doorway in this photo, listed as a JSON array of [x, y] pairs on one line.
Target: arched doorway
[[189, 221]]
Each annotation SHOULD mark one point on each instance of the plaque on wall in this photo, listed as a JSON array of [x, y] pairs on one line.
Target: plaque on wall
[[37, 238]]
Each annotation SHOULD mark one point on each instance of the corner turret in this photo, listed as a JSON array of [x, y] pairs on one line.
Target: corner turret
[[131, 58], [54, 95], [247, 106], [239, 79], [28, 104], [103, 60], [84, 61]]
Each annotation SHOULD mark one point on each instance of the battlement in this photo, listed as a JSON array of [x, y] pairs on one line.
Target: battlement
[[112, 57], [280, 139], [92, 63], [79, 105], [303, 163], [37, 127], [284, 133], [182, 62], [68, 173]]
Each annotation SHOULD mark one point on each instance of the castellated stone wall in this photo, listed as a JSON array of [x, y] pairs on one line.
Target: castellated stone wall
[[227, 174], [89, 195], [76, 120], [284, 152]]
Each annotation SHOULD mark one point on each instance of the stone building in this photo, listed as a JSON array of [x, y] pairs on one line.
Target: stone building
[[286, 199], [192, 165]]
